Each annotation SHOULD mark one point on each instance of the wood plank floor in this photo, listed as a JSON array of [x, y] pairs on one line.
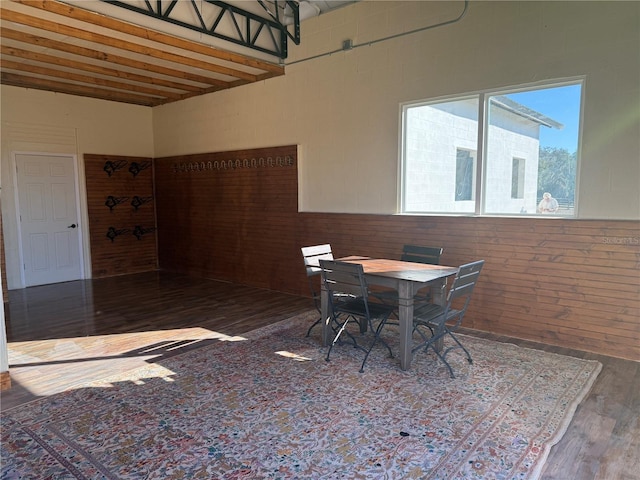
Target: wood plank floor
[[71, 333]]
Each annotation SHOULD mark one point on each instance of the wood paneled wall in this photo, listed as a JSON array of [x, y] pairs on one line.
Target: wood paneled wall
[[121, 208], [573, 283], [228, 215]]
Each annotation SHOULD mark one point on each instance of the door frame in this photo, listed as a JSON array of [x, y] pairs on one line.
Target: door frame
[[14, 166]]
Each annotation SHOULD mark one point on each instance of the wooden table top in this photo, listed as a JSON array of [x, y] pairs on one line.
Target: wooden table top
[[411, 271]]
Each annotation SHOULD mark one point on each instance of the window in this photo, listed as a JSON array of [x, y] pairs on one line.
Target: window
[[465, 163], [492, 153], [517, 178]]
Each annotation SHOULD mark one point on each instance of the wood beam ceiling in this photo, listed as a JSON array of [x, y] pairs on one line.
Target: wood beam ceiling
[[50, 45]]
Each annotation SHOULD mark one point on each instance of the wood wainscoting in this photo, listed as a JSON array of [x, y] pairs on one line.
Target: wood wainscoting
[[230, 216], [565, 282]]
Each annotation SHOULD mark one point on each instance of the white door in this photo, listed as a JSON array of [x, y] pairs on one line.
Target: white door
[[48, 215]]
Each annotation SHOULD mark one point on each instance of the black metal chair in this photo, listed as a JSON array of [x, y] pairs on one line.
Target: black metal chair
[[443, 321], [349, 300], [416, 254], [312, 256], [420, 254]]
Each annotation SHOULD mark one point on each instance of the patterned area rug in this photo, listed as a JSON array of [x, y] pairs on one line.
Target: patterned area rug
[[268, 406]]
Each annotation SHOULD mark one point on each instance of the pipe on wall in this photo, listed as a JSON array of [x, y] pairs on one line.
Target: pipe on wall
[[347, 45]]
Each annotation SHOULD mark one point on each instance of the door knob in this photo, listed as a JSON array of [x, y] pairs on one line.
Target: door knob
[[73, 225]]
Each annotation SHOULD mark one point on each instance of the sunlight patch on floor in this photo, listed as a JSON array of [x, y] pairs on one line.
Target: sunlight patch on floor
[[69, 363], [293, 356]]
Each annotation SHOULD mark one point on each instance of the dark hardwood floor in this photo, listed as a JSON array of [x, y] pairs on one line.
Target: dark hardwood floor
[[72, 333]]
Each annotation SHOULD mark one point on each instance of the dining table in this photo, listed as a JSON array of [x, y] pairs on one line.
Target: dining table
[[404, 277]]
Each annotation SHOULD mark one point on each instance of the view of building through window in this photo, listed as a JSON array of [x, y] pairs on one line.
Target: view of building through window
[[529, 148]]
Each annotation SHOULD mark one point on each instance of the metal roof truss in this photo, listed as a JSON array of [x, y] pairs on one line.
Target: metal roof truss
[[228, 22]]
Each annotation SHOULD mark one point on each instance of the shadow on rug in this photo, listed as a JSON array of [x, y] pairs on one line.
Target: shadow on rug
[[267, 405]]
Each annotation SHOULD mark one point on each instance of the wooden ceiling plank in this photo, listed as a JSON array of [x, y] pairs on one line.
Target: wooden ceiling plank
[[64, 54], [106, 57], [75, 77], [60, 87], [134, 30], [90, 67], [23, 19]]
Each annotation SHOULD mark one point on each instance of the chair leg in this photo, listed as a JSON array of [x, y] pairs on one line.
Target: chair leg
[[444, 360], [443, 356], [373, 343], [425, 339], [432, 343], [314, 324], [378, 331], [366, 355], [337, 337], [469, 359]]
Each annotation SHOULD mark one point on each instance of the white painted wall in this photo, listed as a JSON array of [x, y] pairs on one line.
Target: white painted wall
[[45, 122], [343, 109]]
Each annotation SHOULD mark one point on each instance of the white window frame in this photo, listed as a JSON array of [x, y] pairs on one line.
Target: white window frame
[[479, 189]]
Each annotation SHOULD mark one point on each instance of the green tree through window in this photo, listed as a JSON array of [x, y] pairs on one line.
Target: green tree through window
[[557, 172]]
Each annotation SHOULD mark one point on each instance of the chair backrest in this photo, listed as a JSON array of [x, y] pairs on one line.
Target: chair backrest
[[344, 278], [312, 256], [463, 285], [419, 254]]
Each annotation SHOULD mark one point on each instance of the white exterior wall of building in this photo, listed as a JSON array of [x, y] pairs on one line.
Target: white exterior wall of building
[[430, 177], [511, 136], [432, 141]]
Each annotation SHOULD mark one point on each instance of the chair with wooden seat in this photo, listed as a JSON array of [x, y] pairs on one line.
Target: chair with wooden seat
[[312, 256], [349, 300], [442, 321]]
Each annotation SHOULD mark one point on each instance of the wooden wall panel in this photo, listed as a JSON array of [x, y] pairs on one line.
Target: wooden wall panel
[[121, 210], [573, 283], [229, 215]]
